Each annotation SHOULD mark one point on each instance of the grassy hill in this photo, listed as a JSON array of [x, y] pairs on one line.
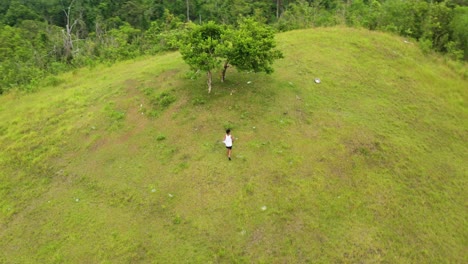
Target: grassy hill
[[124, 163]]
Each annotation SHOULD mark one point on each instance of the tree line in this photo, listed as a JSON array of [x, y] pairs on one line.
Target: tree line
[[43, 37]]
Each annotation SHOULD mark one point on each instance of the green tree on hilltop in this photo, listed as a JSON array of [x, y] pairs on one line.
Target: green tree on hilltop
[[250, 47]]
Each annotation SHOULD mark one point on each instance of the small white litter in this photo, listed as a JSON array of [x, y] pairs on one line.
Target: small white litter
[[317, 80], [153, 190], [264, 208]]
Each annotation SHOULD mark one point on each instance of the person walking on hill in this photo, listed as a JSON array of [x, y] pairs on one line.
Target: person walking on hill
[[228, 139]]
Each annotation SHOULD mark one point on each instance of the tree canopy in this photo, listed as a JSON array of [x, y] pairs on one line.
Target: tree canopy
[[251, 47]]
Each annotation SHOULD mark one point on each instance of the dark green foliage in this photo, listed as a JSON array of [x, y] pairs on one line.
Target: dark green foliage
[[163, 35], [362, 14], [459, 26], [120, 43], [17, 65], [305, 14], [437, 25]]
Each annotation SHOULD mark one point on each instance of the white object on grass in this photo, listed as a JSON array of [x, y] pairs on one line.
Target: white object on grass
[[264, 208], [317, 80]]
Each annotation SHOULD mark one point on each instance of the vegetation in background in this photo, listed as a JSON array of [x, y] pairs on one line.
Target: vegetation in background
[[39, 38]]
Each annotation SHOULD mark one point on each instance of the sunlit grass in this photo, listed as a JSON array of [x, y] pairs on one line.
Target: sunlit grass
[[126, 164]]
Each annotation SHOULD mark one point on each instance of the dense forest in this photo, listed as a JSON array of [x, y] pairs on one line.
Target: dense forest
[[43, 37]]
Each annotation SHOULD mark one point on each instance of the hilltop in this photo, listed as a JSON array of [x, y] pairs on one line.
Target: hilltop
[[124, 163]]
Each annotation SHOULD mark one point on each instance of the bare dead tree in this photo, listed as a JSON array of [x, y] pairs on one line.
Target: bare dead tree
[[67, 33], [188, 10]]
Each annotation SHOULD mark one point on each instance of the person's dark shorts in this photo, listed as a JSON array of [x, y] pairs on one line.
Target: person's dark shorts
[[229, 147]]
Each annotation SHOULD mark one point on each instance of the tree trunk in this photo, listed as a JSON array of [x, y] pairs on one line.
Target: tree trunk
[[69, 44], [188, 10], [209, 81], [277, 8], [223, 74]]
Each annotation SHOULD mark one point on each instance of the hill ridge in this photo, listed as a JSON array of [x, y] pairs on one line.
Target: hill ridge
[[368, 165]]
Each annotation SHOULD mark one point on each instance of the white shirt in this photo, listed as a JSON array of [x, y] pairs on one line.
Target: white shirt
[[228, 141]]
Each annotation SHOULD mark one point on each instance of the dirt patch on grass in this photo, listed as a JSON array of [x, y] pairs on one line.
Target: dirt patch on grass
[[131, 87], [164, 80], [168, 75], [134, 122], [135, 118]]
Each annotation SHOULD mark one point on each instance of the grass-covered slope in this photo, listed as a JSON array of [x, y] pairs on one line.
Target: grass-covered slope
[[124, 164]]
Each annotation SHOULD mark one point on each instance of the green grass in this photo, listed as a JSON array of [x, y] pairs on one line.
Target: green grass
[[124, 164]]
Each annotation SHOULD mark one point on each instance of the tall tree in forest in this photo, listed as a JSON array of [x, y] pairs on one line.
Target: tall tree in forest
[[18, 12]]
